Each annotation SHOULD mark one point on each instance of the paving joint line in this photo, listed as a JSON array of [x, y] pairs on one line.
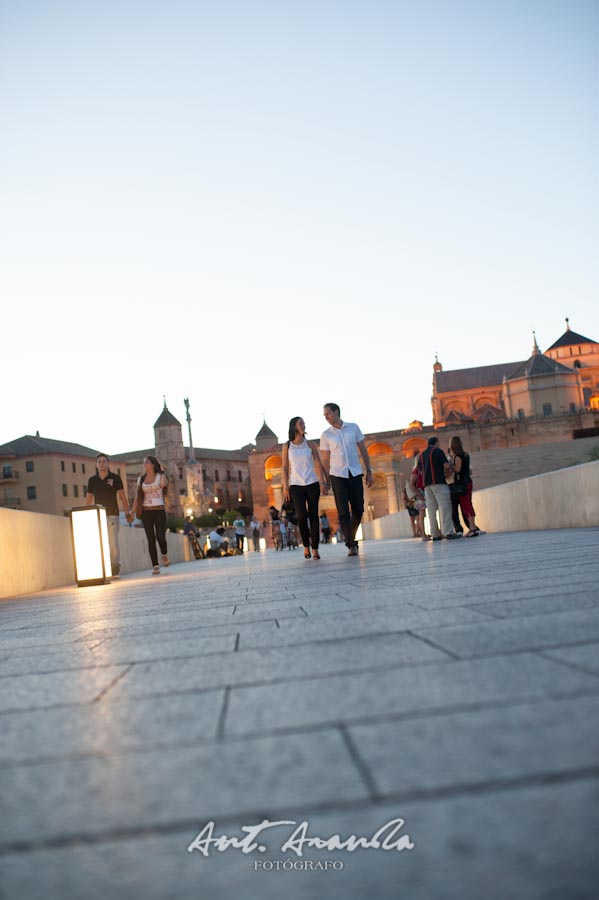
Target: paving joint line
[[112, 684], [360, 763]]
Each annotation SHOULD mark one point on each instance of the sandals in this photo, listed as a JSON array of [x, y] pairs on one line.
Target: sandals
[[316, 555], [307, 553], [471, 534]]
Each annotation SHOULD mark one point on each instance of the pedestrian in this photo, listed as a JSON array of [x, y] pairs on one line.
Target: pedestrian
[[462, 486], [301, 483], [409, 498], [434, 465], [219, 545], [339, 446], [417, 486], [151, 508], [325, 527], [255, 531], [106, 488], [239, 526]]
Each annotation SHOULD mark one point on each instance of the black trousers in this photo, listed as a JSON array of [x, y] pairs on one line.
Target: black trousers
[[154, 523], [349, 493], [305, 501]]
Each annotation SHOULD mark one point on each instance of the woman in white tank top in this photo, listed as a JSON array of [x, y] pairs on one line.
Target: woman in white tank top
[[152, 485], [301, 483]]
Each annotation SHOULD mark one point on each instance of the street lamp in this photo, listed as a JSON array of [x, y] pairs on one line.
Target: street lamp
[[89, 530]]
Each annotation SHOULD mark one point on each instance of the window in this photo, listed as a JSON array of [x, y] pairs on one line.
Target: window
[[204, 474], [577, 364], [547, 409], [521, 415], [83, 490], [239, 476], [65, 492], [572, 407], [216, 478], [31, 493], [83, 468], [180, 471], [228, 475], [7, 472], [62, 465], [29, 465], [75, 490], [74, 465]]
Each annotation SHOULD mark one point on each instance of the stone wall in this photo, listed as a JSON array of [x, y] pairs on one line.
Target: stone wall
[[568, 498], [36, 552]]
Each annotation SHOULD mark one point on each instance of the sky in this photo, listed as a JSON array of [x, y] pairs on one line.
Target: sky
[[266, 205]]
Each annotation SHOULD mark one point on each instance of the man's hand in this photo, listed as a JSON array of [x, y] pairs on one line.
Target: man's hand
[[369, 478]]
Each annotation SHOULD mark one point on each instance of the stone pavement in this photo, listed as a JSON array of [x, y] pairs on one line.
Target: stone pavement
[[453, 685]]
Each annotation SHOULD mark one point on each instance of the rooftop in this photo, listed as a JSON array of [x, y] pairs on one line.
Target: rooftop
[[30, 445], [477, 377]]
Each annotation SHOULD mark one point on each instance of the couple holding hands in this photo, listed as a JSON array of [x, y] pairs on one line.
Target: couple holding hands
[[337, 465]]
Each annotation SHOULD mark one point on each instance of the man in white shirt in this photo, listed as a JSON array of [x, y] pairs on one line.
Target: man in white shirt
[[339, 446], [239, 526]]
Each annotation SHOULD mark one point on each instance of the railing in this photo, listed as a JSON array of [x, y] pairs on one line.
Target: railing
[[10, 502], [8, 476]]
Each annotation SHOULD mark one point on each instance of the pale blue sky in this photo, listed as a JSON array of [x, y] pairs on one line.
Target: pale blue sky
[[297, 201]]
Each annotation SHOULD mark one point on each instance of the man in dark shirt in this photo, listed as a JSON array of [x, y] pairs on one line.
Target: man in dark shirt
[[105, 488], [435, 465]]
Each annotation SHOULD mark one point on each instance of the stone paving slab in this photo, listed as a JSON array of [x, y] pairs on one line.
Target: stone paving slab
[[274, 664], [583, 656], [50, 689], [108, 728], [143, 708], [353, 623], [538, 602], [116, 651], [100, 795], [402, 690], [505, 636], [530, 843], [476, 747]]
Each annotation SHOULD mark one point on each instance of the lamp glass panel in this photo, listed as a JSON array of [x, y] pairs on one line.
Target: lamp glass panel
[[359, 533], [105, 541], [88, 552], [263, 543]]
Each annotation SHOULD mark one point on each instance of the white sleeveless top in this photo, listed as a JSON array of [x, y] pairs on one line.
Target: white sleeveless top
[[301, 464], [153, 495]]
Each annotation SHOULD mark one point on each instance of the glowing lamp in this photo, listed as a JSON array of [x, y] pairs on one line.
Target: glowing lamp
[[263, 543], [91, 549], [334, 539], [246, 545], [359, 533]]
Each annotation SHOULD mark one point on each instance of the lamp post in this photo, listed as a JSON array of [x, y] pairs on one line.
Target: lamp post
[[89, 531]]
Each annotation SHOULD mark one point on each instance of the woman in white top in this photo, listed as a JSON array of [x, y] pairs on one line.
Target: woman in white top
[[301, 483], [153, 484]]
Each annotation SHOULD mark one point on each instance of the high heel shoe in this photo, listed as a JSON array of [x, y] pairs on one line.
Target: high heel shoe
[[307, 553], [316, 555]]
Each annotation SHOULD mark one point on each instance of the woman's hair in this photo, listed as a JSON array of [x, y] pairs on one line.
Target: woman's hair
[[292, 430], [155, 463], [455, 444]]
